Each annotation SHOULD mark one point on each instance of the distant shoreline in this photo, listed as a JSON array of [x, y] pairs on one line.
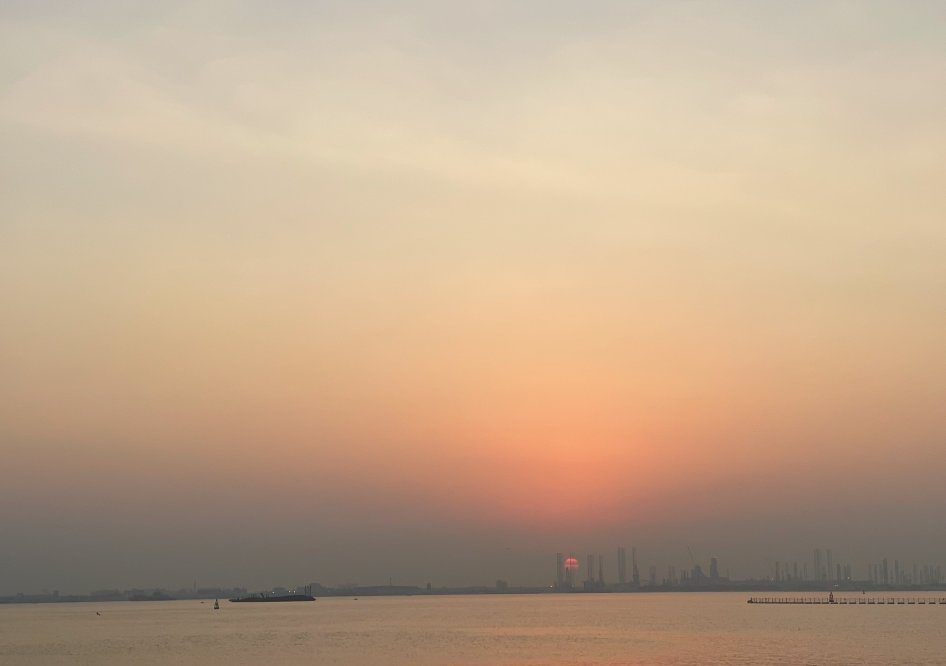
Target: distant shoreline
[[414, 591]]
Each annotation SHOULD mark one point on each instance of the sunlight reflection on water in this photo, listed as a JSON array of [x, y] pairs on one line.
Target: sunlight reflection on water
[[587, 630]]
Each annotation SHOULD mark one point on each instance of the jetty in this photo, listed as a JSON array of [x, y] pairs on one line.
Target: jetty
[[862, 600]]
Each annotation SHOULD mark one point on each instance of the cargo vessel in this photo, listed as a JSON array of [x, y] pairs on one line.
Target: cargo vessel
[[305, 596]]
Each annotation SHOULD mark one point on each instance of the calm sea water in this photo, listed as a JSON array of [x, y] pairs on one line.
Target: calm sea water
[[583, 629]]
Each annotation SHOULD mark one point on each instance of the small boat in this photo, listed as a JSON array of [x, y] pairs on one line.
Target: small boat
[[216, 604]]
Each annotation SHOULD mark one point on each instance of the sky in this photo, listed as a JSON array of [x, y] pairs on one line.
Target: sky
[[430, 291]]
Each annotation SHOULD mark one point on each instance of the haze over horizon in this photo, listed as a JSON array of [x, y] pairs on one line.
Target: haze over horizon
[[350, 291]]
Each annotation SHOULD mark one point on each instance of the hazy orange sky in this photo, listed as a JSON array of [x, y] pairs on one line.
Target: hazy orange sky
[[432, 290]]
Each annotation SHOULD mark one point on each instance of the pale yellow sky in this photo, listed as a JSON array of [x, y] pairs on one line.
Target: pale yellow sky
[[527, 265]]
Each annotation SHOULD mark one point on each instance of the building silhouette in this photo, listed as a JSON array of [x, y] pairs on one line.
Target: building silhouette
[[570, 571], [559, 569]]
